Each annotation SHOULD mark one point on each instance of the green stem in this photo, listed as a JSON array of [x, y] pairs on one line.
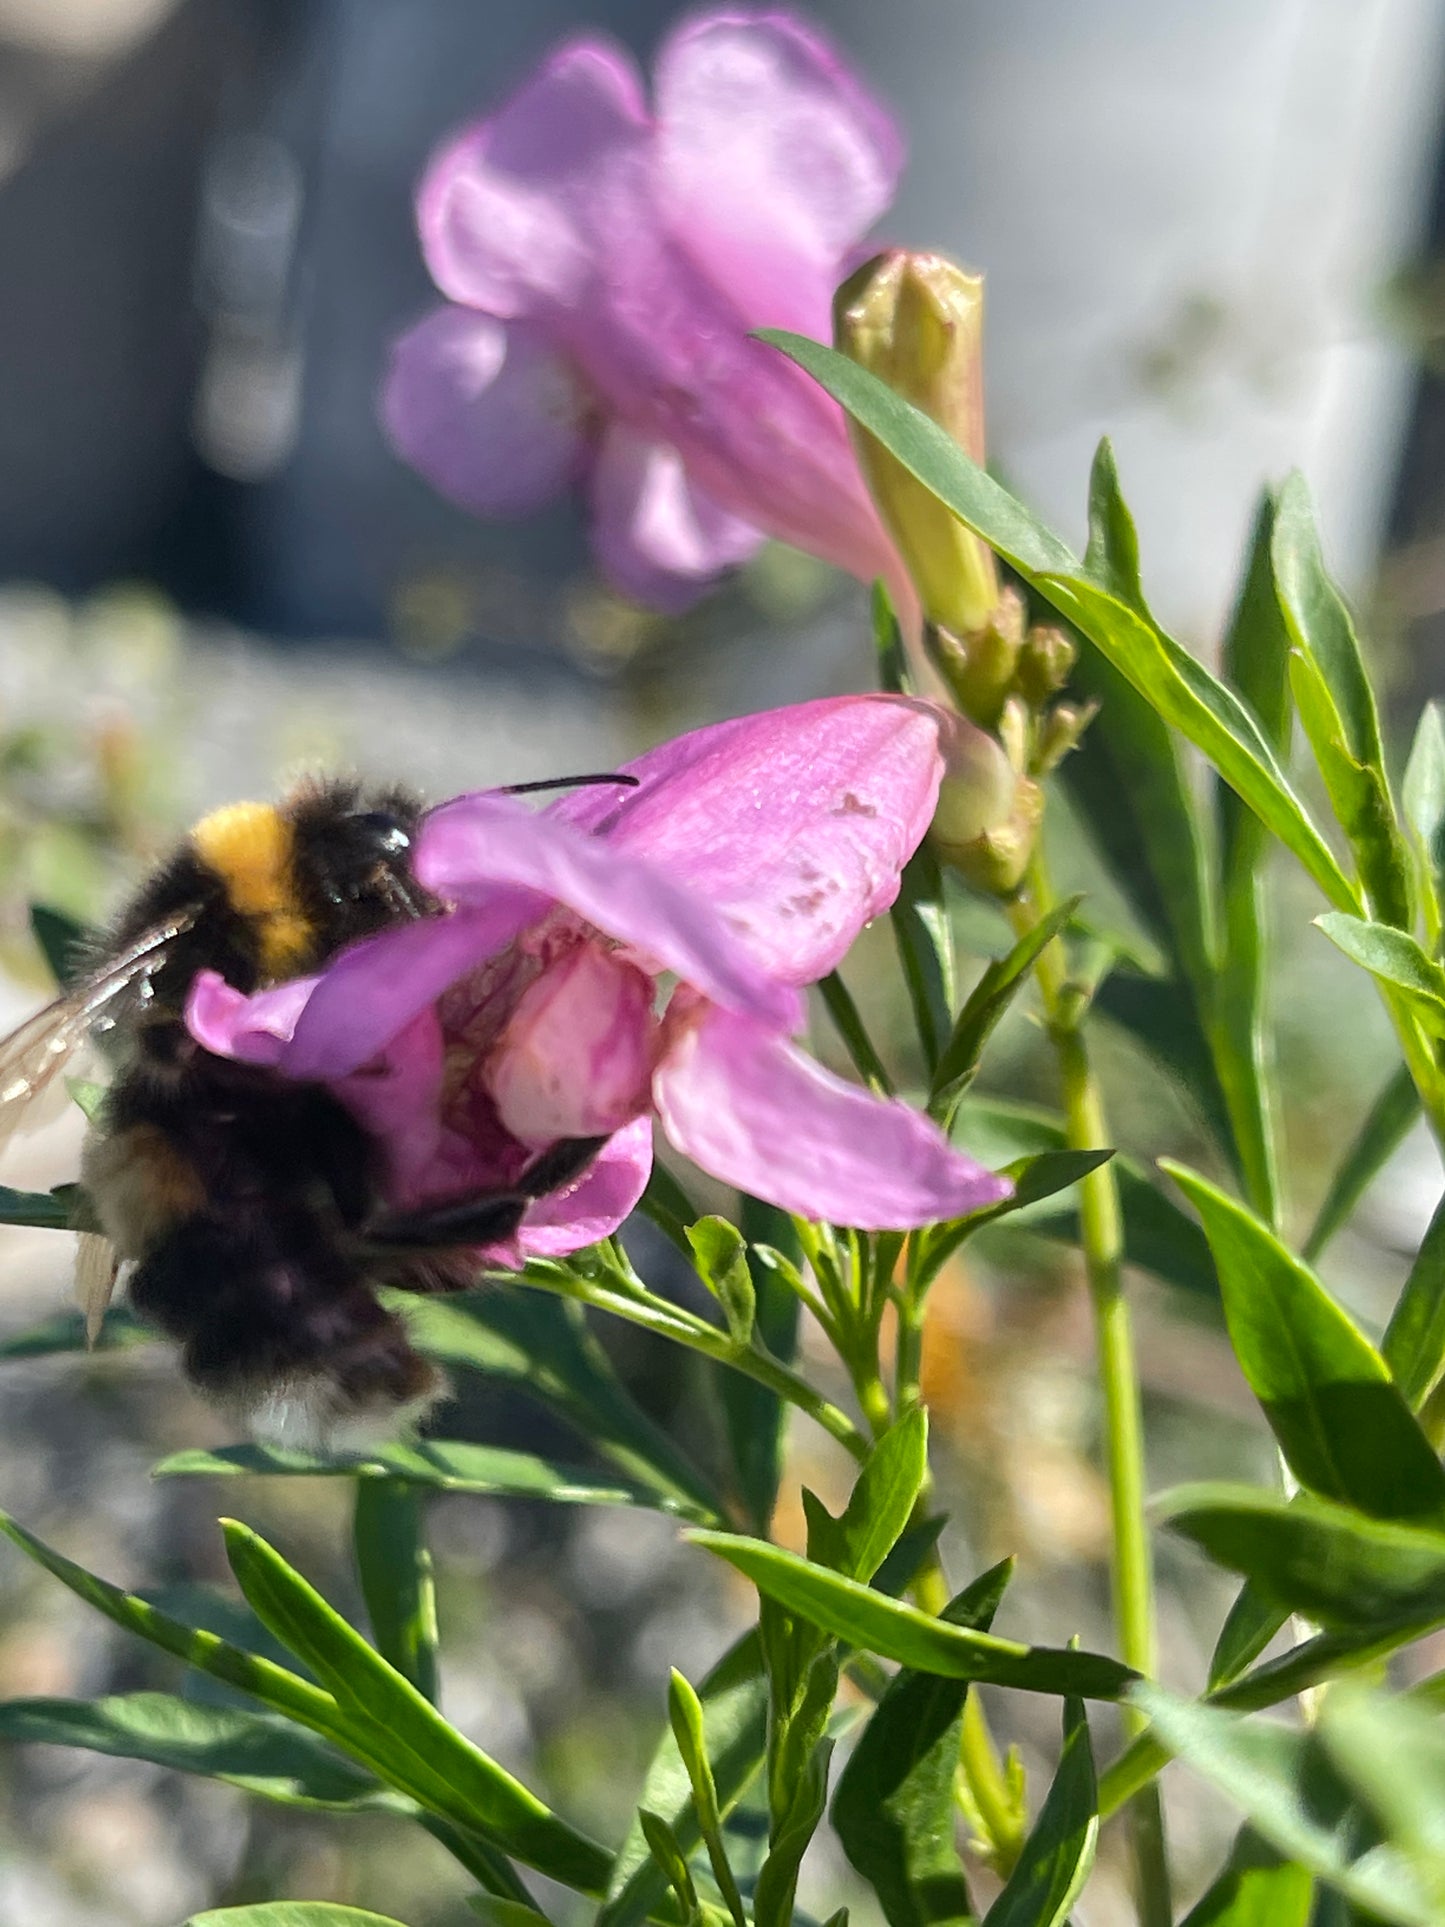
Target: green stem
[[1102, 1243], [639, 1307]]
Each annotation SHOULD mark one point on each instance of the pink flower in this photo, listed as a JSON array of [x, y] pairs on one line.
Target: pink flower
[[608, 262], [741, 867]]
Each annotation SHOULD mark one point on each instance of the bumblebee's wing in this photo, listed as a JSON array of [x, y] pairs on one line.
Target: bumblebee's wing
[[32, 1056]]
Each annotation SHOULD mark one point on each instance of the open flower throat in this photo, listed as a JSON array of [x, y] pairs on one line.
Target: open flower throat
[[741, 868]]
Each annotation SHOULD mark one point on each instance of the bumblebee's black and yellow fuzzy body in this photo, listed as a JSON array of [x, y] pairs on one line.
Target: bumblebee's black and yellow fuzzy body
[[250, 1204]]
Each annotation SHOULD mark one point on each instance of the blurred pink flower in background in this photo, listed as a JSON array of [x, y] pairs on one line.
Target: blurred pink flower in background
[[741, 868], [607, 262]]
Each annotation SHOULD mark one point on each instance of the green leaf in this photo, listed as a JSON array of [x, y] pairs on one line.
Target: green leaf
[[394, 1564], [1001, 981], [1158, 1236], [292, 1913], [688, 1721], [734, 1699], [41, 1210], [257, 1752], [671, 1861], [1338, 1416], [65, 1332], [1139, 805], [541, 1346], [851, 1611], [1395, 958], [848, 1022], [1059, 1851], [1381, 1134], [1295, 1797], [1034, 1180], [882, 1500], [1414, 1343], [1256, 1889], [893, 1809], [1423, 796], [1339, 1567], [756, 1418], [777, 1882], [388, 1722], [925, 950], [1178, 687], [61, 940], [1256, 663], [720, 1257], [1249, 1625], [445, 1465], [276, 1687], [1320, 623], [1392, 1751], [888, 639]]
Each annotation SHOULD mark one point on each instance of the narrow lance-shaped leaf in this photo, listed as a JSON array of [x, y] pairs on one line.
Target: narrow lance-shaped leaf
[[61, 941], [755, 1417], [925, 950], [1396, 959], [1337, 704], [442, 1465], [257, 1752], [865, 1618], [541, 1345], [689, 1730], [1339, 1567], [1338, 1416], [394, 1564], [894, 1808], [1001, 981], [1414, 1341], [734, 1699], [1180, 688], [388, 1723], [1423, 795], [1127, 773], [719, 1255], [1059, 1851], [882, 1500]]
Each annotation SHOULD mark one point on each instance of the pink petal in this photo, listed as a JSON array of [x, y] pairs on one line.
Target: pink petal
[[373, 991], [605, 1194], [507, 211], [575, 1059], [658, 537], [773, 156], [750, 1108], [258, 1029], [795, 823], [470, 846], [494, 419]]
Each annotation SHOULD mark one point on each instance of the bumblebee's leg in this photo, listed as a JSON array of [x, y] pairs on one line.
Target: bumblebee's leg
[[490, 1216], [264, 1317]]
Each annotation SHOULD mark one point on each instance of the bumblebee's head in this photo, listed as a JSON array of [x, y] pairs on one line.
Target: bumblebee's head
[[326, 866]]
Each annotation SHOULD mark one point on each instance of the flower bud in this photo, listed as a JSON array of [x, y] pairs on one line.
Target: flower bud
[[988, 812], [1044, 663], [916, 321], [1062, 728]]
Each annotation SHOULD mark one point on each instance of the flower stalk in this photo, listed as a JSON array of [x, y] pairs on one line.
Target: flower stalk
[[1102, 1244]]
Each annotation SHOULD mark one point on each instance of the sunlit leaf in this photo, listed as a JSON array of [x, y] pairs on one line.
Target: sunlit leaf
[[258, 1752], [1257, 1889], [1059, 1851], [1328, 1395], [1395, 958], [896, 1631]]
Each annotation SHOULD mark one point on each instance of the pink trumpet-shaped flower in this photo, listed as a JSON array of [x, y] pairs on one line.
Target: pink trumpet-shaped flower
[[607, 261], [741, 867]]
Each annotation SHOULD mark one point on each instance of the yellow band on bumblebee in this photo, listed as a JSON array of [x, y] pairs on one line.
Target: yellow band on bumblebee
[[251, 848]]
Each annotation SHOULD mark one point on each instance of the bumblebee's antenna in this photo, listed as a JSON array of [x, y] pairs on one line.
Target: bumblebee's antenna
[[568, 783]]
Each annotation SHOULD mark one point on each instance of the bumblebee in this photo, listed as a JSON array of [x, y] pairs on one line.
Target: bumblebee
[[250, 1205]]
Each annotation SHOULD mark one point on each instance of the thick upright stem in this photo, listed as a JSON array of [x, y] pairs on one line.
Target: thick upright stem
[[1102, 1243]]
